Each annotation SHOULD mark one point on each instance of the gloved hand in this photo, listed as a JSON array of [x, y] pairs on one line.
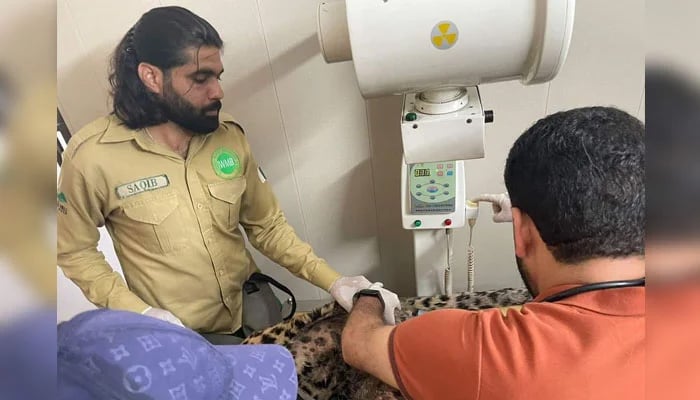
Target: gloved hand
[[391, 302], [162, 315], [501, 206], [345, 287]]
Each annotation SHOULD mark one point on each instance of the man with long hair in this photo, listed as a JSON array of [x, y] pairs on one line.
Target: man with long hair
[[172, 180]]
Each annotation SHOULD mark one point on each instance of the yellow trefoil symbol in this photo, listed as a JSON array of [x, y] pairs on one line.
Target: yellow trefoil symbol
[[444, 35]]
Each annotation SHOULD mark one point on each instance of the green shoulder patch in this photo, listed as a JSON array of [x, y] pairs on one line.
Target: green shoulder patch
[[226, 163]]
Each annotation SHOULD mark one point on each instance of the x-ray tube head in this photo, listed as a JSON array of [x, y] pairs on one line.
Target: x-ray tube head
[[410, 46]]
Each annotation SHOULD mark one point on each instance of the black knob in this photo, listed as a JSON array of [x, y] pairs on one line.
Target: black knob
[[488, 116]]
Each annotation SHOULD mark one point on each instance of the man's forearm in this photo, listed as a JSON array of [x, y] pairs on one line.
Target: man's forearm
[[365, 317], [365, 340], [101, 285], [277, 240], [366, 312]]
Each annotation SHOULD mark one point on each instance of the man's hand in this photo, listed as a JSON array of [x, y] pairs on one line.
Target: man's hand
[[162, 315], [390, 300], [500, 204], [344, 288]]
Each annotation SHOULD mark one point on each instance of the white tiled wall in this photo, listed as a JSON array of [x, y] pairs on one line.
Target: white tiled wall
[[332, 157]]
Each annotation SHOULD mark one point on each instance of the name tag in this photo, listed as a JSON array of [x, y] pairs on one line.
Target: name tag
[[142, 185]]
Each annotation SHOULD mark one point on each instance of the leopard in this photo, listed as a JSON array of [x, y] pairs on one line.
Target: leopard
[[314, 340]]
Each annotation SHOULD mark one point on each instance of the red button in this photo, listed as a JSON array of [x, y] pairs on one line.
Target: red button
[[440, 173], [450, 165], [448, 222], [440, 166]]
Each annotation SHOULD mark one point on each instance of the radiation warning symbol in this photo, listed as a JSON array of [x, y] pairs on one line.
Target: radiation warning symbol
[[444, 35]]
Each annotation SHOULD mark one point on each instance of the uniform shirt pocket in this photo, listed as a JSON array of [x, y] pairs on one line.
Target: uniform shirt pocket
[[226, 201], [156, 223]]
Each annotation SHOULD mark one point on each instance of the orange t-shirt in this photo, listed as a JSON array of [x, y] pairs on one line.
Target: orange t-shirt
[[589, 346]]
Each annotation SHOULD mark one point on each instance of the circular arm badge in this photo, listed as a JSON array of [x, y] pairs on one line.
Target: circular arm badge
[[226, 163]]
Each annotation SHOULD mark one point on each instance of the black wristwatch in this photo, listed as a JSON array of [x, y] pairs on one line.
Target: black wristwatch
[[368, 292]]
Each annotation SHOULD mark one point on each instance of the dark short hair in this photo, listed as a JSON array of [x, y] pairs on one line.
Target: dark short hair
[[160, 37], [579, 175]]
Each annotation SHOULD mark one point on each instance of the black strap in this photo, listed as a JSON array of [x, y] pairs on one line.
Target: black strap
[[594, 286], [260, 277]]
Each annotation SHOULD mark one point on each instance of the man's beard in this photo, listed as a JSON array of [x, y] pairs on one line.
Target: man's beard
[[525, 276], [180, 111]]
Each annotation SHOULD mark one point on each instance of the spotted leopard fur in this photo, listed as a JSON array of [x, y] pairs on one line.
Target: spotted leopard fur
[[314, 340]]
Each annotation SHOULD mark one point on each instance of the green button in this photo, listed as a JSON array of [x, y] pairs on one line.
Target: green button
[[417, 223], [411, 116]]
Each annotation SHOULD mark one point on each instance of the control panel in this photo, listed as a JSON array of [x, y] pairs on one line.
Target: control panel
[[433, 195]]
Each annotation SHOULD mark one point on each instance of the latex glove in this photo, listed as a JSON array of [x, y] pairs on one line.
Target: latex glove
[[391, 302], [162, 315], [500, 203], [345, 287]]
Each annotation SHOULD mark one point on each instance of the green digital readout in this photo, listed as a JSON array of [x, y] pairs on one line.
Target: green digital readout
[[421, 172]]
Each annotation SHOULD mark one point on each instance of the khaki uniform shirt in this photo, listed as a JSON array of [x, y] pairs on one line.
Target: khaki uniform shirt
[[174, 223]]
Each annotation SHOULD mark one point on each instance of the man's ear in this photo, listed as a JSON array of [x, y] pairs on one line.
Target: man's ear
[[522, 233], [151, 76]]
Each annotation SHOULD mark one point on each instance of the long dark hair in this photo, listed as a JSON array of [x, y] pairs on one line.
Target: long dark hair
[[160, 37]]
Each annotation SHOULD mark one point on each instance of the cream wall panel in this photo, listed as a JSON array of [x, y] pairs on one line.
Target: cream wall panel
[[325, 122], [395, 243], [606, 61]]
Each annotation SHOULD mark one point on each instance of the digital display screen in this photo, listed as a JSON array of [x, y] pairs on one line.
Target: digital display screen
[[421, 172]]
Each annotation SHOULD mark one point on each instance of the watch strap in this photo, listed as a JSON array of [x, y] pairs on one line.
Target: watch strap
[[368, 292]]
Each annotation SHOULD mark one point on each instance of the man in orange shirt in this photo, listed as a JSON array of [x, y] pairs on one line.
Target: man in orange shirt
[[576, 183]]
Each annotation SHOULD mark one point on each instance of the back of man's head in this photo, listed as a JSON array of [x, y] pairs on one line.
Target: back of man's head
[[161, 37], [579, 175]]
